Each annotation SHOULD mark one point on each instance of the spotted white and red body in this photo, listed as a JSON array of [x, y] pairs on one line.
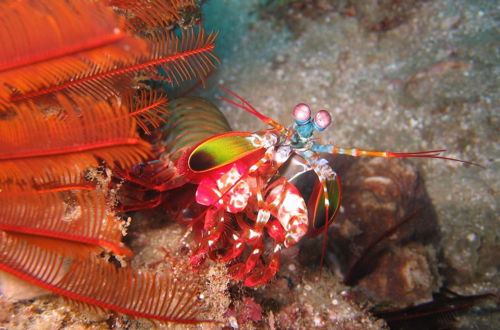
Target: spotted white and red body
[[247, 189]]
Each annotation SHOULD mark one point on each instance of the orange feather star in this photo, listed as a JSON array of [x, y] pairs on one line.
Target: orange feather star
[[64, 67]]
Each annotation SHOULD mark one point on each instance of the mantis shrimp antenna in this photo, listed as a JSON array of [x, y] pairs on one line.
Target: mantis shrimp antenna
[[387, 154], [249, 108]]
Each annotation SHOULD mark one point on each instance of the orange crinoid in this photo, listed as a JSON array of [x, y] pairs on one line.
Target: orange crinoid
[[68, 104]]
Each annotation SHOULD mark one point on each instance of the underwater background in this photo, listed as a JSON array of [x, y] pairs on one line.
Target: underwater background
[[395, 75]]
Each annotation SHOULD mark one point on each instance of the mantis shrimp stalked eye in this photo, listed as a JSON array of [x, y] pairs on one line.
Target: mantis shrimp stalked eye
[[301, 113], [322, 120]]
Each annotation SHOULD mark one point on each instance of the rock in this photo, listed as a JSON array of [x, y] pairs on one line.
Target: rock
[[443, 80], [14, 289], [383, 15], [385, 239]]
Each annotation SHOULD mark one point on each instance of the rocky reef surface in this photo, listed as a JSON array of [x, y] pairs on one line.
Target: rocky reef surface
[[417, 76]]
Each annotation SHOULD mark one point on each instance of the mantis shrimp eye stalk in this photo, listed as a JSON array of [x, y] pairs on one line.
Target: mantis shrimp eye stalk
[[322, 120], [302, 113]]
